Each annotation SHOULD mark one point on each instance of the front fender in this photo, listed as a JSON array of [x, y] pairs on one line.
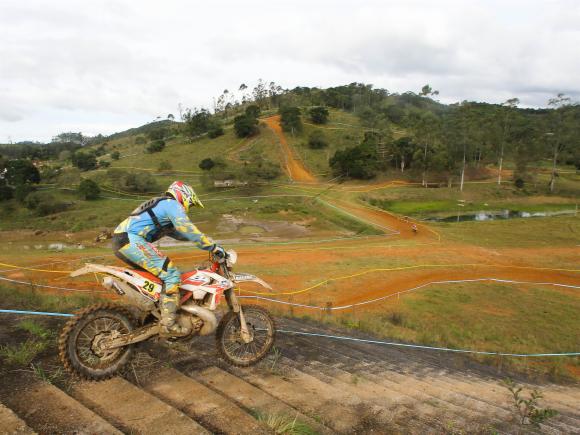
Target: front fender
[[247, 277]]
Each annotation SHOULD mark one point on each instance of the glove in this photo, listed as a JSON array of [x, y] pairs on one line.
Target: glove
[[219, 252]]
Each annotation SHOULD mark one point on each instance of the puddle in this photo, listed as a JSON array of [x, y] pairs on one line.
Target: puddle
[[483, 216], [251, 229]]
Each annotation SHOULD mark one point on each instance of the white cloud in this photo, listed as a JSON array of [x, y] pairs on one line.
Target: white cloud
[[105, 65]]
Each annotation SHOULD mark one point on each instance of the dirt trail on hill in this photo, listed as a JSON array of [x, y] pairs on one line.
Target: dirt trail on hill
[[294, 166], [388, 222]]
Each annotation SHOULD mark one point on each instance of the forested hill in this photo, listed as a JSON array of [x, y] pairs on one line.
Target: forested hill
[[351, 131]]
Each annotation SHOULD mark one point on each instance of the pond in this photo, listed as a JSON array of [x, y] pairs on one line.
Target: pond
[[482, 216]]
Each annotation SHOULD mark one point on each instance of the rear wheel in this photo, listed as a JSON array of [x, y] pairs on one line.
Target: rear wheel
[[230, 345], [79, 341]]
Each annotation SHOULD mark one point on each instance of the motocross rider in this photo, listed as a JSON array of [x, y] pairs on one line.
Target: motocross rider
[[155, 218]]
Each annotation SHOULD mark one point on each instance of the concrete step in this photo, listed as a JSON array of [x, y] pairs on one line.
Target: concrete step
[[343, 359], [474, 388], [133, 409], [212, 410], [46, 409], [12, 424], [252, 398], [342, 412]]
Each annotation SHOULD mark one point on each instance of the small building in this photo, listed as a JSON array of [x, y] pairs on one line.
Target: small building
[[229, 183]]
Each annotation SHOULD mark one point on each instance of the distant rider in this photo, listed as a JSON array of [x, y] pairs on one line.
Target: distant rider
[[156, 218]]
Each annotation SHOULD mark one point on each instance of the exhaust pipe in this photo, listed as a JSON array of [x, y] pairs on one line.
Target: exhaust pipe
[[209, 320]]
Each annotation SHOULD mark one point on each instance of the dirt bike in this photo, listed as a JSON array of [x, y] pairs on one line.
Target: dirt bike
[[98, 342]]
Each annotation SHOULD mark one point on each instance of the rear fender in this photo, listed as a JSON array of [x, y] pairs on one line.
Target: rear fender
[[149, 289]]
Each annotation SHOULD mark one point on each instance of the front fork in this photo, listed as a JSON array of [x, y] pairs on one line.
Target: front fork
[[235, 306]]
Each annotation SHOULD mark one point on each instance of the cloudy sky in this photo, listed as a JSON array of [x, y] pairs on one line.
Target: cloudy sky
[[103, 66]]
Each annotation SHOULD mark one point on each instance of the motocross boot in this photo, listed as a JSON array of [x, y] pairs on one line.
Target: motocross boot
[[169, 326]]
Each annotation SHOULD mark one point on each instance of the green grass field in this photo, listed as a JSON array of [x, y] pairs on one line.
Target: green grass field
[[487, 317]]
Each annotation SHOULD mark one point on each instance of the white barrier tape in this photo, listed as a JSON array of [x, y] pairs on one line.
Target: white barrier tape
[[343, 307]]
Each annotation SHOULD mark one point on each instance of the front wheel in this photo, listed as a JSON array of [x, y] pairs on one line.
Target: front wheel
[[229, 340], [79, 342]]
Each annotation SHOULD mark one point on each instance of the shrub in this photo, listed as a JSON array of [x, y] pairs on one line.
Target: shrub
[[156, 146], [253, 111], [140, 140], [115, 155], [139, 182], [317, 140], [319, 115], [22, 354], [215, 131], [104, 164], [262, 169], [245, 126], [6, 192], [22, 191], [89, 190], [164, 165], [157, 134], [44, 203], [206, 164]]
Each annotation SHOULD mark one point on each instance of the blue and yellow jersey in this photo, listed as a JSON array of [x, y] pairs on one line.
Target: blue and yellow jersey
[[165, 217]]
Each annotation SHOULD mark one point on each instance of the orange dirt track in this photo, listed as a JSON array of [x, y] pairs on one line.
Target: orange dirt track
[[294, 165]]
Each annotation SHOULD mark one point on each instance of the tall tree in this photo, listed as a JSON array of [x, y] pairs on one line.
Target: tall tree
[[427, 132], [506, 115], [562, 121]]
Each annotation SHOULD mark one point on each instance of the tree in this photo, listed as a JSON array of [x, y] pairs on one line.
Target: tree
[[245, 126], [319, 115], [357, 162], [206, 164], [115, 155], [427, 131], [155, 146], [171, 117], [84, 160], [290, 119], [506, 114], [70, 137], [197, 122], [317, 140], [563, 123], [427, 91], [89, 190], [21, 171], [403, 150]]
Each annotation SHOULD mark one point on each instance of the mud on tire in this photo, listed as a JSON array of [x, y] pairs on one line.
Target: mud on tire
[[88, 325], [230, 345]]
